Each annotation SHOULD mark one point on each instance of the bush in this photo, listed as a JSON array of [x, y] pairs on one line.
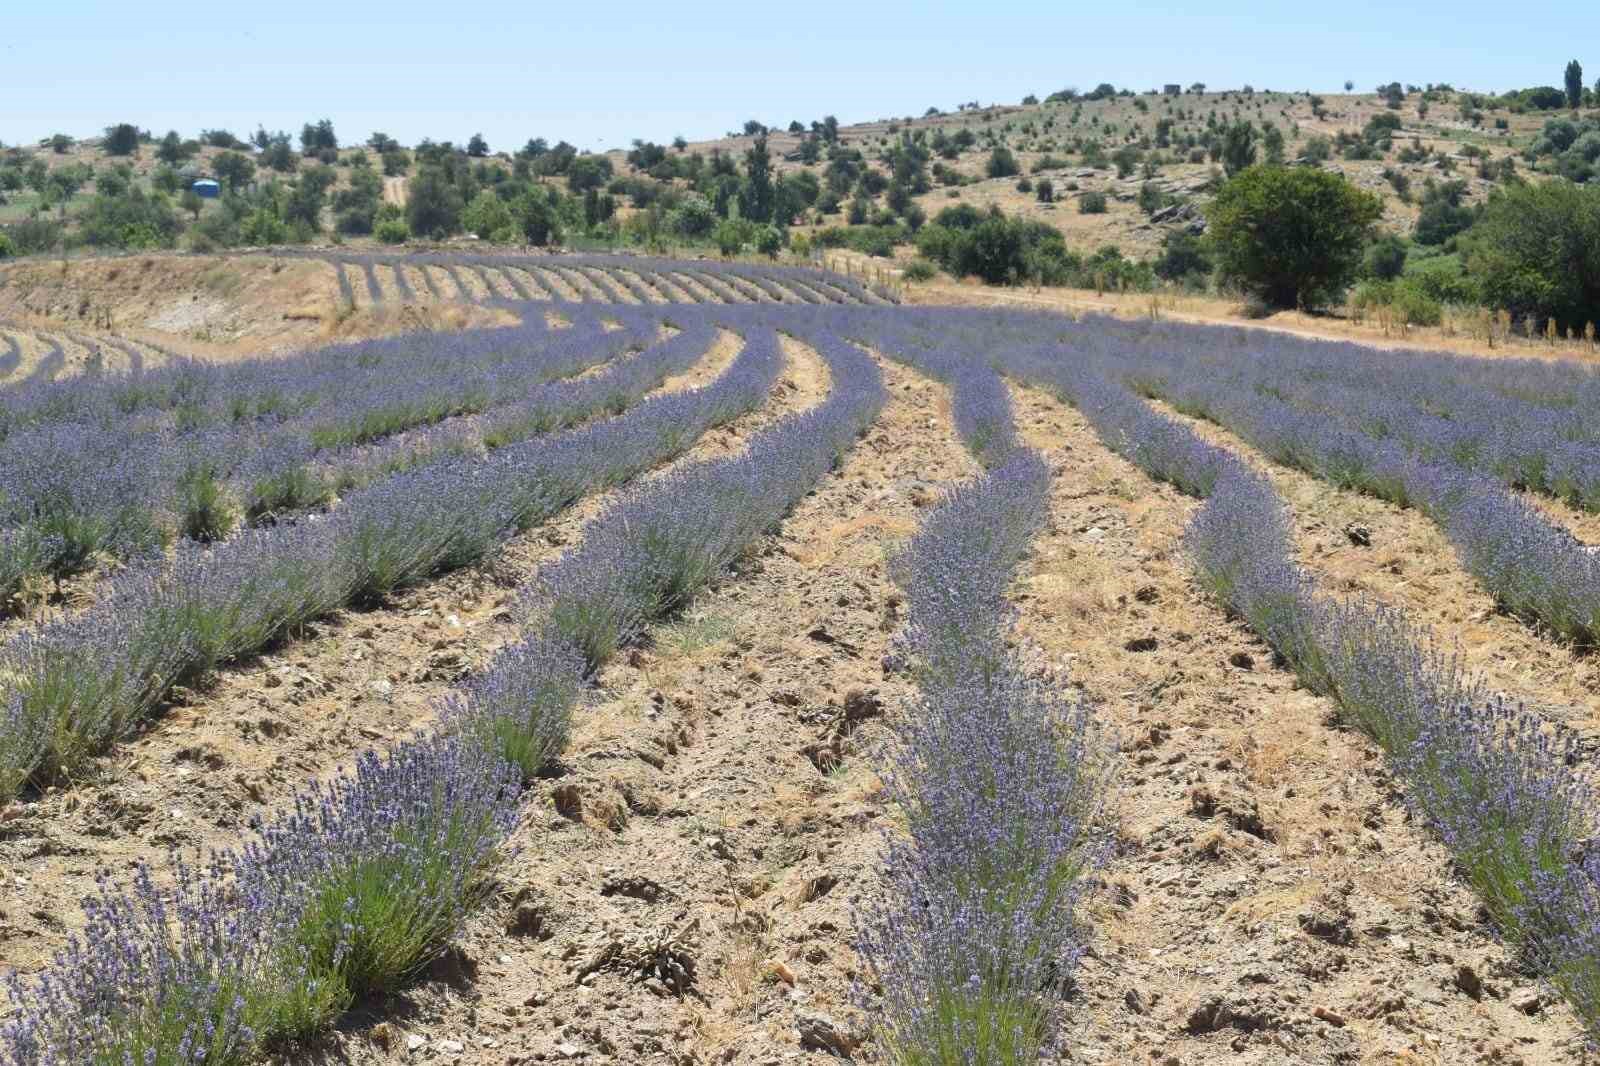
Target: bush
[[769, 240], [1536, 250], [1092, 203], [486, 215], [392, 231], [1407, 304], [121, 139], [433, 204], [1440, 220], [1292, 235], [1045, 191], [1024, 185], [7, 249], [877, 241], [920, 270], [1183, 258], [1385, 258], [1002, 164]]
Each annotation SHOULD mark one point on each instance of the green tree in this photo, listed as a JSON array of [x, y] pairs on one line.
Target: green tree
[[433, 203], [171, 149], [477, 147], [190, 201], [1574, 84], [1536, 250], [307, 198], [1272, 143], [1292, 235], [586, 172], [1238, 147], [356, 208], [536, 216], [59, 143], [234, 168], [756, 197], [487, 215], [122, 139]]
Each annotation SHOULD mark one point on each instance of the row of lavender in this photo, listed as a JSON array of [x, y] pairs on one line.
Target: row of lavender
[[71, 490], [1452, 468], [354, 892], [72, 686], [617, 279], [1530, 423], [998, 775], [1500, 788]]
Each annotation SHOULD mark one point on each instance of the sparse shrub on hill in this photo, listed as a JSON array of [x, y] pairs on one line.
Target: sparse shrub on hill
[[234, 169], [317, 136], [1293, 236], [122, 139], [1238, 147], [1045, 191], [433, 204], [1002, 164], [1092, 203]]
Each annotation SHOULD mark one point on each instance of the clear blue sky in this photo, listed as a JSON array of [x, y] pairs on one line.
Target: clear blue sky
[[601, 72]]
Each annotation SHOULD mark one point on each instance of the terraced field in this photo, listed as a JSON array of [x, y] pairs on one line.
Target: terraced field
[[726, 665]]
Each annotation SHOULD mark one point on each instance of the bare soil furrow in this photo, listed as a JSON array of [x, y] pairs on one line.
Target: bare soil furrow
[[441, 283], [717, 817], [557, 283], [1269, 900]]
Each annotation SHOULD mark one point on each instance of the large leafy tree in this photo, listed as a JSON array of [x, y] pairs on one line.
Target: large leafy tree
[[1536, 250], [1293, 235]]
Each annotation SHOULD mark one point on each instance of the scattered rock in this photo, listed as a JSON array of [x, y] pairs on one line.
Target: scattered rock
[[568, 800], [1528, 1000], [817, 887], [1133, 1001], [1359, 535], [819, 1032], [415, 1043], [1468, 981], [1326, 924], [1333, 1018], [1139, 644], [1208, 1016], [1243, 660]]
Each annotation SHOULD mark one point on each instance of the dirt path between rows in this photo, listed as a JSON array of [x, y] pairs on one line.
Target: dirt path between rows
[[1269, 901], [717, 814]]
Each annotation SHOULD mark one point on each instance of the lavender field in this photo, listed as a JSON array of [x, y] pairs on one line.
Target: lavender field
[[728, 664]]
